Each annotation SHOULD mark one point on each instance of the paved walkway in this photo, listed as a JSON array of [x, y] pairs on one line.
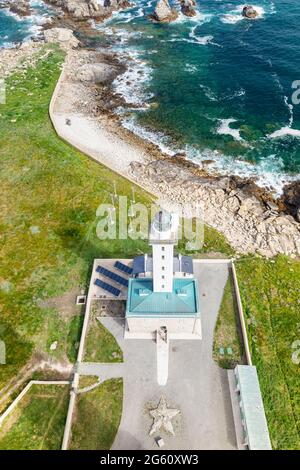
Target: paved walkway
[[196, 385], [103, 370]]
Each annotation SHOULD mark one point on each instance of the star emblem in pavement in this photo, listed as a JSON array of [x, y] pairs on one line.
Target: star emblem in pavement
[[162, 417]]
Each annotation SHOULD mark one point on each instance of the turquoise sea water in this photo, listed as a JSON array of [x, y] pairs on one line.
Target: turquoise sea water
[[14, 29], [217, 86]]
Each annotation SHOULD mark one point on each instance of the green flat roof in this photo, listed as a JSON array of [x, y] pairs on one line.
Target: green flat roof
[[181, 302], [253, 408]]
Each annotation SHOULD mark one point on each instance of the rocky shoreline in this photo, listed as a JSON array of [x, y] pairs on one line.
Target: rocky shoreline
[[247, 215]]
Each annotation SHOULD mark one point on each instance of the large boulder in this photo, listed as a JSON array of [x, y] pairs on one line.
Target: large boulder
[[63, 36], [97, 73], [163, 13], [249, 12], [84, 9], [291, 199], [188, 7], [117, 4]]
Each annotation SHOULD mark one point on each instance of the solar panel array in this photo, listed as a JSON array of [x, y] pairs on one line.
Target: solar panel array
[[112, 276], [122, 267], [112, 290]]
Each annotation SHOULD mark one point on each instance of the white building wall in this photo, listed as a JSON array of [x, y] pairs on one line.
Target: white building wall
[[174, 325], [162, 267]]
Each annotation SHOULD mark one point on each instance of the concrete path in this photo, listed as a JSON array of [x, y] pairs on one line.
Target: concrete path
[[104, 371], [196, 385]]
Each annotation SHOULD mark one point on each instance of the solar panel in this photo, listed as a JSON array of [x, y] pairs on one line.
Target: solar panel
[[112, 276], [122, 267], [112, 290]]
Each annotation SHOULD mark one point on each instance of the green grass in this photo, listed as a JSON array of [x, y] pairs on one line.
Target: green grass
[[227, 330], [45, 183], [97, 417], [37, 423], [100, 345], [270, 291], [87, 380], [73, 337]]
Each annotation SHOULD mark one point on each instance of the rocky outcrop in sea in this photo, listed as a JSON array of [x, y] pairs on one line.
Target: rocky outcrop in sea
[[163, 13], [188, 7], [20, 7], [249, 12], [85, 9]]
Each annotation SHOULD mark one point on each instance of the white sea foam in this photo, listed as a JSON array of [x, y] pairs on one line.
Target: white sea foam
[[7, 12], [123, 35], [290, 108], [202, 40], [231, 96], [158, 138], [285, 131], [268, 173], [273, 8], [209, 93], [225, 129], [191, 68], [128, 16], [193, 39], [131, 84], [234, 16]]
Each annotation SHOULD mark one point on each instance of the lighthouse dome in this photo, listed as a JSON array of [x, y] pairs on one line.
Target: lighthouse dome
[[162, 221]]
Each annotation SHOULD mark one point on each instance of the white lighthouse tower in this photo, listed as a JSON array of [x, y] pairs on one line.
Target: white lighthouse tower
[[163, 236]]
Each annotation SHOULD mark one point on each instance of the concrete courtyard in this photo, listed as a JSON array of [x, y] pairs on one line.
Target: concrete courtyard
[[196, 385]]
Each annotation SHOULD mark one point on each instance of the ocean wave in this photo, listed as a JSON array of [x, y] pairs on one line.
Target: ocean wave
[[232, 96], [123, 35], [131, 84], [290, 108], [191, 68], [273, 8], [209, 93], [30, 26], [225, 129], [284, 132], [202, 40], [199, 18], [16, 17], [155, 137], [268, 173], [129, 16], [288, 130], [234, 16]]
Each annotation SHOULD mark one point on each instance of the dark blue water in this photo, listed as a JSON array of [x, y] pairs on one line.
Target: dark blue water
[[220, 86]]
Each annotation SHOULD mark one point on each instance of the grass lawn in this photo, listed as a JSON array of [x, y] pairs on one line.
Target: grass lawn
[[270, 291], [100, 344], [87, 380], [37, 423], [49, 196], [97, 417], [227, 331]]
